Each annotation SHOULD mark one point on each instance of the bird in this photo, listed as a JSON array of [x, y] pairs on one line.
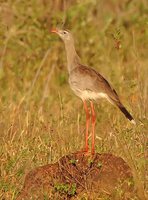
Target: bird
[[89, 86]]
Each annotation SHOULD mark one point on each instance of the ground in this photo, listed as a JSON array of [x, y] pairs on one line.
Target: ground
[[77, 176]]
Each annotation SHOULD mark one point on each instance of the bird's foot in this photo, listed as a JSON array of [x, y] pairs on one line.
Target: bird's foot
[[92, 152], [83, 151]]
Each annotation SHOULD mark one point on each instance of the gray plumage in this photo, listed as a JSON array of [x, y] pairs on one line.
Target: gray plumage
[[86, 82]]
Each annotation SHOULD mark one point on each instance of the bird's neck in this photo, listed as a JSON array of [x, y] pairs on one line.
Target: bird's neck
[[72, 57]]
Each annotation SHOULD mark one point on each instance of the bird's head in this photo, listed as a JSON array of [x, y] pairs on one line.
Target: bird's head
[[64, 34]]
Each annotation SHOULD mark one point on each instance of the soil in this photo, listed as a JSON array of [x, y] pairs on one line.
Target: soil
[[79, 176]]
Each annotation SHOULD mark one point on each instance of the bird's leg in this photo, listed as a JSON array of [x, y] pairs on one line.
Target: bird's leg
[[87, 125], [93, 115]]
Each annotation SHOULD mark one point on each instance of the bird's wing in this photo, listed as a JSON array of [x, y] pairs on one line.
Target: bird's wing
[[86, 78]]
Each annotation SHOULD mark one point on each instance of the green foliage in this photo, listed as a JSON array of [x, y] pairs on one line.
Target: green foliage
[[99, 165], [73, 161], [66, 189], [90, 162]]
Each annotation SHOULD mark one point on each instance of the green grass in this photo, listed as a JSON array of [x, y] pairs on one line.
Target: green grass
[[40, 117], [70, 190]]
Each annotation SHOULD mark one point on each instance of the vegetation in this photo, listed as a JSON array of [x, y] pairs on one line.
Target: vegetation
[[66, 189], [40, 117]]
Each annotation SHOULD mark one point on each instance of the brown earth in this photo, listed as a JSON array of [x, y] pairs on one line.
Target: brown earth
[[78, 176]]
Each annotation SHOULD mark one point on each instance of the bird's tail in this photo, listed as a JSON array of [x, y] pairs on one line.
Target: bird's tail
[[126, 113]]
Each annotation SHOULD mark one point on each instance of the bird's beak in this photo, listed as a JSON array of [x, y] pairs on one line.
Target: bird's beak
[[54, 31]]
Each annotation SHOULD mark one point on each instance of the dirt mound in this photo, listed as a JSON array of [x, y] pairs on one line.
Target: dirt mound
[[75, 176]]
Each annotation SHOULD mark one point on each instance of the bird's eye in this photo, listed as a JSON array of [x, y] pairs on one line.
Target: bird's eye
[[64, 32]]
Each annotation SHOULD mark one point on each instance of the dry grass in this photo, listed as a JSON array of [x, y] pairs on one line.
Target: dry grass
[[40, 118]]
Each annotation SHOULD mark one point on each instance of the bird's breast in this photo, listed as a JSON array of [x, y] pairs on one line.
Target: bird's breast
[[88, 94]]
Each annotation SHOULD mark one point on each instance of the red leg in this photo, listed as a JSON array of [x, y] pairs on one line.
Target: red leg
[[87, 125], [93, 115]]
